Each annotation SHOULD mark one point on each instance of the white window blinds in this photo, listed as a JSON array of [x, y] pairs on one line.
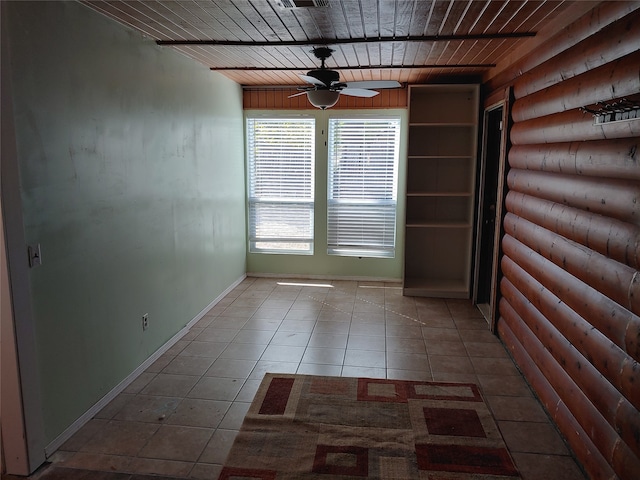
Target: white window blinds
[[362, 193], [280, 155]]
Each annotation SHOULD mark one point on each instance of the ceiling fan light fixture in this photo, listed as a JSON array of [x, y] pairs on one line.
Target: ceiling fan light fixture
[[323, 99]]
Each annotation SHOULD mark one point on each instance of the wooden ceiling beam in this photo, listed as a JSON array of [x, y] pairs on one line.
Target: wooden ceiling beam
[[345, 41], [357, 67]]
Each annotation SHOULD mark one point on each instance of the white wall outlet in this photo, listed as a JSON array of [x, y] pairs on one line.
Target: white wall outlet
[[145, 321], [35, 255]]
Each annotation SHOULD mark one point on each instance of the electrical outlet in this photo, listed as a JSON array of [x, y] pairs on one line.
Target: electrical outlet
[[145, 321]]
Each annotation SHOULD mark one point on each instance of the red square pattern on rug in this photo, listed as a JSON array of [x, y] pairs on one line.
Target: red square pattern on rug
[[453, 421], [465, 458], [275, 401]]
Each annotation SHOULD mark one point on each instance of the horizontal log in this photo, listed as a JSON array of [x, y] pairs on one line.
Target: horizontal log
[[591, 309], [614, 198], [596, 466], [613, 238], [611, 81], [611, 278], [615, 365], [621, 414], [570, 126], [625, 462], [589, 24], [618, 158], [612, 42]]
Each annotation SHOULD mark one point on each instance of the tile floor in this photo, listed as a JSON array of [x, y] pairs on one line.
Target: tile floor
[[179, 418]]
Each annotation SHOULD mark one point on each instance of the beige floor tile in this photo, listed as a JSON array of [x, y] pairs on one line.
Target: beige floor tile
[[403, 331], [328, 340], [193, 412], [365, 358], [204, 349], [261, 337], [148, 408], [406, 345], [332, 328], [408, 361], [216, 388], [365, 328], [231, 368], [506, 385], [325, 356], [264, 366], [120, 438], [98, 461], [435, 335], [532, 437], [186, 365], [114, 406], [545, 467], [417, 375], [205, 471], [283, 353], [248, 390], [232, 420], [145, 377], [456, 349], [243, 351], [218, 447], [152, 466], [486, 350], [366, 342], [521, 409], [169, 385], [216, 334], [450, 364], [494, 366], [295, 339], [82, 436], [319, 369], [177, 443], [367, 372]]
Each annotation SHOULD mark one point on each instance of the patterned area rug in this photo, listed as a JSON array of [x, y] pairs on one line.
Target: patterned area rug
[[311, 427]]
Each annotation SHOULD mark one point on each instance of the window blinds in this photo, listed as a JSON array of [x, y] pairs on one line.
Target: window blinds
[[362, 186], [281, 182]]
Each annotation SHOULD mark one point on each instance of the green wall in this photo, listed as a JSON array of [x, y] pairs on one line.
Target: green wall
[[320, 264], [131, 162]]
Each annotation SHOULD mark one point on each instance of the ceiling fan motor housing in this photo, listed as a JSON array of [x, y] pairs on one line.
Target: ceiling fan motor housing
[[325, 76]]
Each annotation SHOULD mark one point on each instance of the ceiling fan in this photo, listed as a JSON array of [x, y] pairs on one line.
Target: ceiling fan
[[325, 86]]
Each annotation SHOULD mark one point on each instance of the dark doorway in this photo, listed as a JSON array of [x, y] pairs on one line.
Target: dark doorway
[[487, 214]]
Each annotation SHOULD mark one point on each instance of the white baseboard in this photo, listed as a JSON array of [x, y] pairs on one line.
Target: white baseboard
[[325, 277], [114, 392]]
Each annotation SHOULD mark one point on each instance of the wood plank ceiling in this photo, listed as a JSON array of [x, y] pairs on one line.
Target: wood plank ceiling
[[262, 43]]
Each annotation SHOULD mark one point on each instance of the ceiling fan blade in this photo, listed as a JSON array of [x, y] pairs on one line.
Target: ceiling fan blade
[[358, 92], [297, 94], [312, 80], [374, 84]]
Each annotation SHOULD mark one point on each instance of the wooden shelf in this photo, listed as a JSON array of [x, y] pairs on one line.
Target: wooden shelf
[[438, 194], [452, 224], [441, 175]]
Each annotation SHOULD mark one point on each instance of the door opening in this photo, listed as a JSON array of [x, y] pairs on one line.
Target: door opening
[[485, 245]]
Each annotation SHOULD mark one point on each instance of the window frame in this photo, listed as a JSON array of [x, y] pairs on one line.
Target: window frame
[[387, 243], [253, 237]]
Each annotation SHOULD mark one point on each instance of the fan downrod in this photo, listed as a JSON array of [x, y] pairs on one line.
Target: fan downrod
[[322, 53]]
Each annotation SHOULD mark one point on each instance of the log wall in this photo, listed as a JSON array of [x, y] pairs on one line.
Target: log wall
[[569, 307]]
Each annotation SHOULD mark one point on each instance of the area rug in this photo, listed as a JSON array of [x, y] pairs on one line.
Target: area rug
[[313, 427]]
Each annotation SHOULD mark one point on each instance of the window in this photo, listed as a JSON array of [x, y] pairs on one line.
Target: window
[[280, 155], [362, 193]]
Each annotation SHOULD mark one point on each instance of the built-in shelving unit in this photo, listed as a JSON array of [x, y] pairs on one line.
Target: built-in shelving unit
[[443, 132]]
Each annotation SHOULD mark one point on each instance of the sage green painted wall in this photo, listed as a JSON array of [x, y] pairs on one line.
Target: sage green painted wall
[[131, 159], [320, 264]]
